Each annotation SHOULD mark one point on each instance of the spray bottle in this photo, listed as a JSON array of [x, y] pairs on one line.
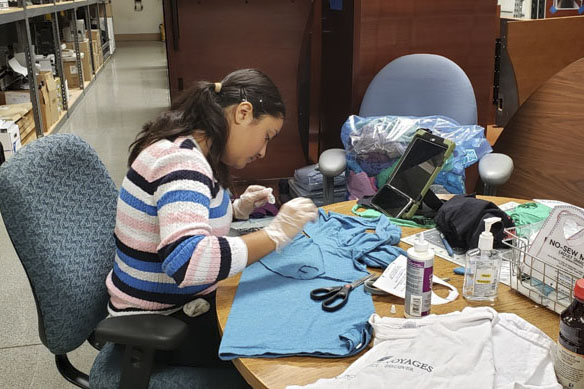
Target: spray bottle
[[420, 268], [482, 268]]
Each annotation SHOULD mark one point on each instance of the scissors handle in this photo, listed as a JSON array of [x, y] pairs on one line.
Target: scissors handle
[[323, 293], [338, 299]]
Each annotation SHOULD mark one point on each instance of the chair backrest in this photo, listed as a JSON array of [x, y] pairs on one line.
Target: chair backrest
[[59, 204], [421, 85]]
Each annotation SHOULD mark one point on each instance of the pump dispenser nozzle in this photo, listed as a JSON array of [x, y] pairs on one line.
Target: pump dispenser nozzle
[[486, 237], [421, 244]]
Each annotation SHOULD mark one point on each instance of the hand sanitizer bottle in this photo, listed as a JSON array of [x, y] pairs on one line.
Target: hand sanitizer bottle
[[482, 268]]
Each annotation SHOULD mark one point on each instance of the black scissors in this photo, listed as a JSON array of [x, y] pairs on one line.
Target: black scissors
[[331, 294]]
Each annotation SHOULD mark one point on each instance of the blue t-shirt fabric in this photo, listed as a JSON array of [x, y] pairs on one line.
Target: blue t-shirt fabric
[[273, 315]]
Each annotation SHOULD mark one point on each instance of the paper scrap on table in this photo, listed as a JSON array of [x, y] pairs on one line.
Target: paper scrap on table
[[508, 206], [17, 67], [393, 281]]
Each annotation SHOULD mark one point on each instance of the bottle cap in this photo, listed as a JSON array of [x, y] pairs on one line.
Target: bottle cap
[[579, 289], [486, 237], [421, 244]]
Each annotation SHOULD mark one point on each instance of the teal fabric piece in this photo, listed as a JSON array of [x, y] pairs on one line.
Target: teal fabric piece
[[383, 176], [529, 213], [415, 222]]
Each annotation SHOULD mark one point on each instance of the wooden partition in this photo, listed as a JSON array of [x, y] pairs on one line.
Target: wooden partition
[[206, 40], [546, 141], [533, 51]]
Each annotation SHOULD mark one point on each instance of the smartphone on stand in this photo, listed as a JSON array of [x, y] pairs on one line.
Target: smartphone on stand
[[416, 170]]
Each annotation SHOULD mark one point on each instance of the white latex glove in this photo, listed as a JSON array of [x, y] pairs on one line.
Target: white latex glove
[[290, 220], [253, 197]]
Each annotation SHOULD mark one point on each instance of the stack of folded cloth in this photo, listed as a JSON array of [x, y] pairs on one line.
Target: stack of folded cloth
[[308, 182]]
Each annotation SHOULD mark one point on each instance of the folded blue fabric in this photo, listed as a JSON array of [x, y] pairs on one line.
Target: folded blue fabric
[[272, 313]]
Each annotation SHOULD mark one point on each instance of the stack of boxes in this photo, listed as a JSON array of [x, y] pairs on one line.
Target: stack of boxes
[[26, 126], [48, 98], [9, 137], [70, 70], [9, 131], [85, 64], [22, 116], [96, 48]]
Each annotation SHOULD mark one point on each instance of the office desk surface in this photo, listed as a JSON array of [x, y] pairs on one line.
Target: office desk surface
[[280, 372]]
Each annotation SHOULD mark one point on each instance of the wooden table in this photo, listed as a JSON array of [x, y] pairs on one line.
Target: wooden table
[[280, 372]]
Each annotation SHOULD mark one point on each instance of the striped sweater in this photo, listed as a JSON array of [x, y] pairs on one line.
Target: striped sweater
[[171, 218]]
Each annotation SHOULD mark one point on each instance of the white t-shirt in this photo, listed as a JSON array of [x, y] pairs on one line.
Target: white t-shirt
[[475, 348]]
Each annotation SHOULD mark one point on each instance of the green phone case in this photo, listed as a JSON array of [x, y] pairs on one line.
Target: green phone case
[[449, 148]]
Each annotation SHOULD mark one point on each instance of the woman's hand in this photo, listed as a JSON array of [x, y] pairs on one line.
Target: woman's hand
[[290, 220], [253, 197]]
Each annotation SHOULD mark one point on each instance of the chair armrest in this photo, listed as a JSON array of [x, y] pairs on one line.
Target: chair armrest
[[158, 332], [495, 168], [332, 162]]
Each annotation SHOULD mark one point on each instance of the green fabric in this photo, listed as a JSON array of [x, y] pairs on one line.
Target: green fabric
[[529, 213], [415, 222], [523, 214], [382, 177]]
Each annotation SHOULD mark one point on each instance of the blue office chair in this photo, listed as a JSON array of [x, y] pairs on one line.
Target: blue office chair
[[421, 85], [59, 206]]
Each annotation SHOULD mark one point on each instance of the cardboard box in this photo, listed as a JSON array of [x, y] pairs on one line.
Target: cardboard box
[[27, 129], [9, 137], [15, 112], [85, 58], [48, 99], [15, 97], [70, 73], [59, 95], [97, 54], [95, 35]]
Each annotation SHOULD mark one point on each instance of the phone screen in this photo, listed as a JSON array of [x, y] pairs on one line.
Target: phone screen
[[391, 201], [412, 174], [417, 167]]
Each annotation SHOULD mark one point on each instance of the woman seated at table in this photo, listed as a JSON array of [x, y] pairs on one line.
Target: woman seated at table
[[174, 212]]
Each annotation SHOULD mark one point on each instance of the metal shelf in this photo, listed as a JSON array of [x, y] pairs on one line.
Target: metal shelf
[[11, 15], [66, 5], [14, 14], [33, 11], [21, 18]]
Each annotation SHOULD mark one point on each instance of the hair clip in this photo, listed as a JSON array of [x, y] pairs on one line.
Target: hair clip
[[242, 95]]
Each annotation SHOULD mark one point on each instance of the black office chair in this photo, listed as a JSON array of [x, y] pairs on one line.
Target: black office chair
[[421, 85], [59, 205]]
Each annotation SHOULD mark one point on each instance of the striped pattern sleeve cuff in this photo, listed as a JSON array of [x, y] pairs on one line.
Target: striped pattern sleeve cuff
[[238, 255]]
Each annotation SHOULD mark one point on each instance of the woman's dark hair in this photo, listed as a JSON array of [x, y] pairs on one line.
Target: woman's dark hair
[[200, 108]]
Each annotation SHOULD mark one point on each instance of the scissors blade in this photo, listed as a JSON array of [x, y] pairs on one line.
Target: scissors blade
[[361, 281]]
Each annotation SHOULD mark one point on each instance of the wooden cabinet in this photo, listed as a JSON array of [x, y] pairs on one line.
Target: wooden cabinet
[[207, 39]]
